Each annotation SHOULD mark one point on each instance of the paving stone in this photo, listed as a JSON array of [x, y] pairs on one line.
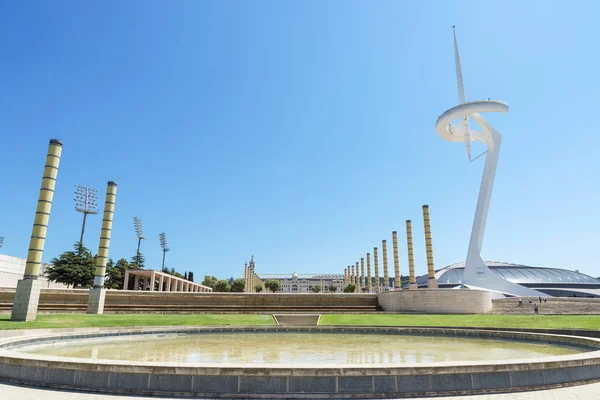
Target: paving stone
[[212, 384], [491, 380], [355, 384], [312, 384], [385, 384], [262, 384], [413, 384], [449, 382]]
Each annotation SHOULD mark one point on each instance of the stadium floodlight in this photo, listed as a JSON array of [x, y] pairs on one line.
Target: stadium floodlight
[[164, 247], [137, 224], [86, 202], [1, 241]]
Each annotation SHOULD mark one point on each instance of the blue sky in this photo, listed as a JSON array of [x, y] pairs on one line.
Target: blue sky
[[300, 131]]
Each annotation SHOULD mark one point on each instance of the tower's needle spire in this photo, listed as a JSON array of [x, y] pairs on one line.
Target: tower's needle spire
[[459, 77], [461, 96]]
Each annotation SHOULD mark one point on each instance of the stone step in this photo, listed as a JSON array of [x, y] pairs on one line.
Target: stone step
[[297, 319]]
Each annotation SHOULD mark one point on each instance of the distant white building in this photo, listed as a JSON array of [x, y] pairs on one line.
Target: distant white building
[[304, 283], [13, 268]]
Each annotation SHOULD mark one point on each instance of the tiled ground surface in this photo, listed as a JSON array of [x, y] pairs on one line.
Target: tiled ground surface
[[583, 392]]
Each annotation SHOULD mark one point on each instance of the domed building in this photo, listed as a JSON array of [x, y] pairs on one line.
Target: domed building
[[552, 281]]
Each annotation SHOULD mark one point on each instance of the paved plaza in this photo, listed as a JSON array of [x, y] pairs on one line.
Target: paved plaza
[[582, 392]]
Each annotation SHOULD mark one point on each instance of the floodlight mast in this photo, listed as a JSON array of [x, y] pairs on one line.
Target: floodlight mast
[[86, 202], [476, 272], [165, 248], [1, 241], [137, 224]]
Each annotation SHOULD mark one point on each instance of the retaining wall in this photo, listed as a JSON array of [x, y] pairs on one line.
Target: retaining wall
[[436, 301], [126, 301]]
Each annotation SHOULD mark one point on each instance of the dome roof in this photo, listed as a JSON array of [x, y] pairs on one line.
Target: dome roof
[[516, 273]]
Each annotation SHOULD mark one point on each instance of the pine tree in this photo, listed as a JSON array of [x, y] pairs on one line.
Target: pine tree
[[191, 276], [115, 274], [74, 267], [137, 261]]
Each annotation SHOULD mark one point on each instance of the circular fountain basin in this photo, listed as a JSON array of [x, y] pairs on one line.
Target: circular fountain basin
[[297, 348], [299, 362]]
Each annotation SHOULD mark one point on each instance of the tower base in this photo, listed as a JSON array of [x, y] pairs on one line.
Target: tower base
[[26, 300], [412, 286], [96, 301], [432, 283]]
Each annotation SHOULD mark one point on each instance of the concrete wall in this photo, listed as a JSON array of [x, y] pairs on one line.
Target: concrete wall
[[195, 301], [436, 301], [12, 269], [439, 301]]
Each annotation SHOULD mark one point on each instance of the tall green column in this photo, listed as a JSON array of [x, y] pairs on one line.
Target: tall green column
[[27, 295], [432, 283], [386, 277], [369, 272], [377, 286], [98, 293], [357, 290], [397, 276], [412, 282], [362, 273]]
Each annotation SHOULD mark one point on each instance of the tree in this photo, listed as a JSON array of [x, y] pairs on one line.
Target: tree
[[333, 288], [221, 286], [74, 267], [115, 274], [273, 285], [191, 276], [350, 288], [258, 288], [316, 289], [185, 275], [209, 281], [238, 285], [137, 261]]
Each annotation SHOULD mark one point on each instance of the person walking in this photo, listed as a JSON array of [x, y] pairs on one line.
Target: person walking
[[520, 302], [545, 298], [535, 308]]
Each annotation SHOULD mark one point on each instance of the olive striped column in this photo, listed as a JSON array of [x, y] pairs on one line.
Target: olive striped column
[[376, 269], [98, 293], [369, 272], [352, 275], [356, 279], [107, 221], [27, 294], [412, 283], [397, 277], [42, 213], [362, 273], [431, 281], [386, 277]]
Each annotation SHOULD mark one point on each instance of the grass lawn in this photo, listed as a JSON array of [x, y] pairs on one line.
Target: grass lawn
[[110, 320], [497, 321], [117, 320]]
